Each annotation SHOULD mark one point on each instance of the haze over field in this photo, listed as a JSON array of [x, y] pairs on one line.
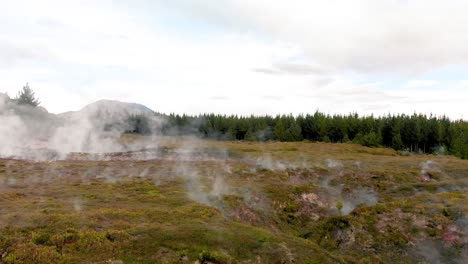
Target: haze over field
[[240, 57], [233, 131]]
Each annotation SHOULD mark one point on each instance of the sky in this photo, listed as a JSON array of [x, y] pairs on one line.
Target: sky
[[240, 56]]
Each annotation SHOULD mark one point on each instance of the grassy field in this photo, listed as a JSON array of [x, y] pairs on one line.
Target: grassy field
[[237, 202]]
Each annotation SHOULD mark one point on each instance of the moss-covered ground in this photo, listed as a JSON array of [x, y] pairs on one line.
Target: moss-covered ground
[[237, 202]]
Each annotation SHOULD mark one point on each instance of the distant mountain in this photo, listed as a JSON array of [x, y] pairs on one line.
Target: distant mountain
[[108, 110], [107, 116]]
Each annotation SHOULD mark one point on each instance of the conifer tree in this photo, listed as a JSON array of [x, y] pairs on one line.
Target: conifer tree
[[26, 97]]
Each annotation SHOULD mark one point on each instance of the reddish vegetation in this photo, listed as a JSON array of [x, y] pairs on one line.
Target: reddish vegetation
[[452, 235], [246, 214]]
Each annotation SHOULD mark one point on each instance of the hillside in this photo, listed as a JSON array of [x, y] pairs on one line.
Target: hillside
[[108, 110], [35, 134], [236, 202]]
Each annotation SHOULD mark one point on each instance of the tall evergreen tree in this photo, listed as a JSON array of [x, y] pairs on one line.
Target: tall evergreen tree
[[26, 97]]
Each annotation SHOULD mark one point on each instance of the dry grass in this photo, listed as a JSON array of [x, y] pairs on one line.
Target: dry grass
[[259, 203]]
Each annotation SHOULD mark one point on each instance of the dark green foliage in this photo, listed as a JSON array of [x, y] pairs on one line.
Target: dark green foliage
[[459, 139], [213, 257], [26, 97], [287, 129], [324, 232], [397, 143], [41, 238], [418, 133], [250, 136], [371, 140], [138, 124], [415, 133]]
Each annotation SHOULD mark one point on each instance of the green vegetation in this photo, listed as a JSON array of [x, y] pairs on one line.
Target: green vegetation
[[339, 206], [409, 133], [416, 133], [142, 211], [138, 124], [288, 199]]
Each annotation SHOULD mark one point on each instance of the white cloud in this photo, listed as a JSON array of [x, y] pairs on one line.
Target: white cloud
[[421, 83], [262, 57], [363, 35]]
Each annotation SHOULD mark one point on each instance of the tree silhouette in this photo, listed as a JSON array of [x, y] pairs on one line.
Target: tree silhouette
[[26, 97]]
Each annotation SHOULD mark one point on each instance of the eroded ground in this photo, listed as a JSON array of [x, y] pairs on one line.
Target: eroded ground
[[228, 202]]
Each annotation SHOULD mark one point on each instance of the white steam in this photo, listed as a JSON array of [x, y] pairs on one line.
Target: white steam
[[350, 199], [266, 162], [334, 164], [427, 168], [34, 134]]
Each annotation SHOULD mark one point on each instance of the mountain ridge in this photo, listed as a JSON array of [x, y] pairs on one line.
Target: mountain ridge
[[109, 107]]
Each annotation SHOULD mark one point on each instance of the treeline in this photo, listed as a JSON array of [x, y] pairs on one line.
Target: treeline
[[415, 133]]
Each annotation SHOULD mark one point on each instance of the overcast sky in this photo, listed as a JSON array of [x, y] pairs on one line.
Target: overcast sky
[[240, 56]]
